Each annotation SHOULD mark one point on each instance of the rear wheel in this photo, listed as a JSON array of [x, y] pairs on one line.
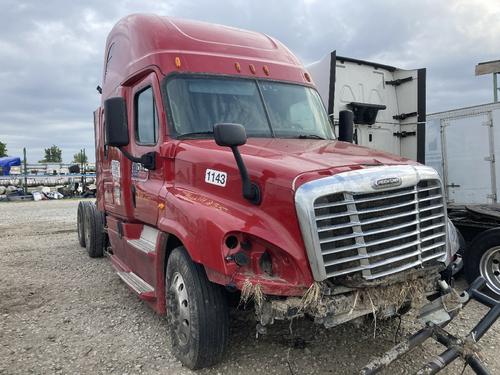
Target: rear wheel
[[80, 223], [483, 258], [197, 313], [95, 238]]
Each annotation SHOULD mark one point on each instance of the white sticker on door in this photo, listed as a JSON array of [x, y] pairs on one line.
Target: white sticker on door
[[115, 169], [215, 177]]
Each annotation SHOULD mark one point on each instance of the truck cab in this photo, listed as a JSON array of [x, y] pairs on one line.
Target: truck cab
[[219, 173]]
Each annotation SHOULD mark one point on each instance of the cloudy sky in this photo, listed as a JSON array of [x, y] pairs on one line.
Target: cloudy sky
[[51, 51]]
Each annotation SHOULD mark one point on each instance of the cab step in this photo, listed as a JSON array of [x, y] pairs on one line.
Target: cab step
[[142, 288], [147, 242]]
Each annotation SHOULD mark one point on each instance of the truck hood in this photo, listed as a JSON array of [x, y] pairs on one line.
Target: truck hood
[[289, 162], [308, 154]]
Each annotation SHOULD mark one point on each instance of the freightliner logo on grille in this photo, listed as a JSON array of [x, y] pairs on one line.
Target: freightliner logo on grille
[[386, 182]]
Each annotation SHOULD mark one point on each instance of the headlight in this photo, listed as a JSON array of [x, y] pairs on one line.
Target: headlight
[[453, 239]]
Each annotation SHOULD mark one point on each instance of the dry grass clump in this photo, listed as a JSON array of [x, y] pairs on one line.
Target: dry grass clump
[[251, 292], [469, 348], [311, 298], [382, 297]]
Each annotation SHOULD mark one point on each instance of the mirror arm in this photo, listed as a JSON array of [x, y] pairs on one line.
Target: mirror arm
[[148, 160], [129, 156], [251, 190]]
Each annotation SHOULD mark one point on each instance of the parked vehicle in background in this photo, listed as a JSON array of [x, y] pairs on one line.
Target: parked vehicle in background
[[218, 174], [8, 163], [463, 144]]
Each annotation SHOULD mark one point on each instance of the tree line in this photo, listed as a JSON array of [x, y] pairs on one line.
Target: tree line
[[53, 154]]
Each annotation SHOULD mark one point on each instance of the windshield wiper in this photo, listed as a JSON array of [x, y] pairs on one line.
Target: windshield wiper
[[309, 136], [195, 134]]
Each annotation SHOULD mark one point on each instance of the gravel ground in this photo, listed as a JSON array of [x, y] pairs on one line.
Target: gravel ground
[[62, 312]]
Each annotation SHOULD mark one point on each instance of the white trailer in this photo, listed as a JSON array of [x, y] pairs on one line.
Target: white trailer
[[462, 145]]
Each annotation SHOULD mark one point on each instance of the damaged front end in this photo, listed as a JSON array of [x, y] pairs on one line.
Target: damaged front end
[[331, 304], [437, 302], [376, 239]]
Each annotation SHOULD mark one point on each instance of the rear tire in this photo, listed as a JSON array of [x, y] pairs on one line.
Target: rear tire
[[80, 222], [95, 238], [482, 258], [197, 313]]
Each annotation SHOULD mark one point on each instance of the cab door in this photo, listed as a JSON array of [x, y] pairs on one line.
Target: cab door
[[147, 131]]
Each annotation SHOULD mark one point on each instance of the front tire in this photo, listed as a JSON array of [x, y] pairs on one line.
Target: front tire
[[483, 258], [197, 313]]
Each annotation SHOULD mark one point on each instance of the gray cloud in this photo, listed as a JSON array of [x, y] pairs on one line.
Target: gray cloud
[[51, 52]]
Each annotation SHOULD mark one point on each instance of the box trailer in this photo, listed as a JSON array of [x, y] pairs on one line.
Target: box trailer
[[462, 145]]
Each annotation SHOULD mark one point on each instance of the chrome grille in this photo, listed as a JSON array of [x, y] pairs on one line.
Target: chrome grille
[[379, 233]]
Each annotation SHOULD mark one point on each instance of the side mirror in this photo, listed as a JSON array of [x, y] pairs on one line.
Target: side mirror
[[115, 117], [346, 125], [230, 135], [234, 135]]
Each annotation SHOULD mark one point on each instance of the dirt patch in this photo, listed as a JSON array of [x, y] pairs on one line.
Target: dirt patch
[[20, 299]]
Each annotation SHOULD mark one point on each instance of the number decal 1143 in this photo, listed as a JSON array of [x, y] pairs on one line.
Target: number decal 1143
[[215, 177]]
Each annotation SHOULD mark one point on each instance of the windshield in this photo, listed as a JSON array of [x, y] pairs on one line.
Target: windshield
[[264, 108]]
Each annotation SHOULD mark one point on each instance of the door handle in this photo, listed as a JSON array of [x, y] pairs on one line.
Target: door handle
[[133, 194]]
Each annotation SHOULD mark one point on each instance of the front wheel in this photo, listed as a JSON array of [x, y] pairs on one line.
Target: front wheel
[[483, 258], [197, 313]]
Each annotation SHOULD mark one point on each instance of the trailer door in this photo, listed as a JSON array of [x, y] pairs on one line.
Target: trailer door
[[467, 159], [410, 94]]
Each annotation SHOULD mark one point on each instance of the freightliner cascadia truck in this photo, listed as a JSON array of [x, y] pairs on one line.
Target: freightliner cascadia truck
[[219, 176]]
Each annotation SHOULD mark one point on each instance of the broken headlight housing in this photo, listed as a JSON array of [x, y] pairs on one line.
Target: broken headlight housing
[[453, 239]]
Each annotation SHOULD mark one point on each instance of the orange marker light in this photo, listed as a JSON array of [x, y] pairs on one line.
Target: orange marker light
[[161, 206], [177, 62], [237, 67], [307, 76], [252, 68], [266, 70]]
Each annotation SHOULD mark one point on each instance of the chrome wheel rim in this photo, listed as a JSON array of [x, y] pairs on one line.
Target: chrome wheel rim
[[489, 268], [178, 303]]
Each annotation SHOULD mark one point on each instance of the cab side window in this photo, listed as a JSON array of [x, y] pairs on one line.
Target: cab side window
[[146, 117]]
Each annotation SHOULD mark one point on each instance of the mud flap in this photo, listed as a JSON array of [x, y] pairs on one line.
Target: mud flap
[[455, 347]]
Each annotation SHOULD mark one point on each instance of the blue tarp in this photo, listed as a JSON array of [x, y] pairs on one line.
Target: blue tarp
[[7, 162]]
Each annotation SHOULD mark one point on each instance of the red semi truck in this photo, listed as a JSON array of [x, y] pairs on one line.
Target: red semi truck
[[219, 175]]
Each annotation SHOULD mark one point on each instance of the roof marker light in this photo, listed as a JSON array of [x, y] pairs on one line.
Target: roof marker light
[[266, 70], [252, 68], [307, 77], [177, 62], [237, 66]]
